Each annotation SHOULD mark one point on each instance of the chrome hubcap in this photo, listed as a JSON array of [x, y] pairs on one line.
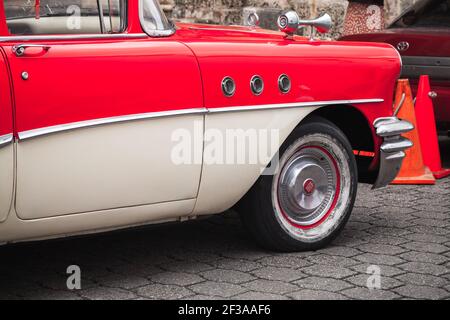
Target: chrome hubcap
[[307, 186]]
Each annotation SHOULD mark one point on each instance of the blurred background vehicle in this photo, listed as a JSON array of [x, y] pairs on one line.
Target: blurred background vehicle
[[421, 34]]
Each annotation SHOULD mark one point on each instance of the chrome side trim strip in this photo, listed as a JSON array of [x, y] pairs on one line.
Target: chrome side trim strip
[[75, 37], [6, 139], [292, 105], [97, 122]]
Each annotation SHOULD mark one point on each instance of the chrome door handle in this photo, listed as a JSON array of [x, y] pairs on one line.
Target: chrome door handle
[[20, 49]]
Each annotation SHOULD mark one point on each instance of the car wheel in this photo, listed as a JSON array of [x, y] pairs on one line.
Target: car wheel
[[310, 198]]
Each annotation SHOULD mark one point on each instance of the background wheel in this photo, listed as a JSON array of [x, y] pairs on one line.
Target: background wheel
[[310, 198]]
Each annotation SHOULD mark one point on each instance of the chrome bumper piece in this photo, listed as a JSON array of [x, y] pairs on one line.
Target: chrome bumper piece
[[392, 148]]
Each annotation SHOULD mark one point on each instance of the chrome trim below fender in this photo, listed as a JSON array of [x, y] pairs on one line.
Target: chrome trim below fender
[[392, 149], [292, 105], [97, 122], [6, 139], [23, 135]]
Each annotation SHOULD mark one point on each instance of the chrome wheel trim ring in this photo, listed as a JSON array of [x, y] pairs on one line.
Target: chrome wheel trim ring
[[332, 219], [307, 186]]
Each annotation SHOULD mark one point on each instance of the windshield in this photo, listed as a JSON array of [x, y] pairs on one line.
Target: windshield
[[426, 14], [153, 20]]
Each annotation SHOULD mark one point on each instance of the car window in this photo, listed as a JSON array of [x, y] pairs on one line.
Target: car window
[[153, 19], [426, 14], [37, 17]]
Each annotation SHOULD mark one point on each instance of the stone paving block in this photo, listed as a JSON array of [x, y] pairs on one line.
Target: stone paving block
[[426, 268], [440, 215], [138, 269], [388, 271], [424, 257], [163, 291], [363, 293], [340, 251], [393, 241], [325, 284], [328, 271], [231, 276], [176, 278], [429, 230], [280, 273], [349, 242], [202, 297], [220, 289], [255, 295], [422, 279], [119, 281], [278, 287], [422, 292], [426, 237], [382, 249], [357, 225], [307, 294], [389, 227], [327, 259], [284, 261], [428, 222], [237, 264], [426, 247], [374, 258], [106, 293], [188, 267], [387, 283]]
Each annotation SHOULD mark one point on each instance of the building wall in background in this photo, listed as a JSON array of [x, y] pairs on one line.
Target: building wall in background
[[235, 11]]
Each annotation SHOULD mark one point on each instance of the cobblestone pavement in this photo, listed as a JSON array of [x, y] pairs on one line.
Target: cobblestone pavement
[[403, 229]]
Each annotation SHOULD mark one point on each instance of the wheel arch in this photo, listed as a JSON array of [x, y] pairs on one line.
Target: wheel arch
[[354, 124]]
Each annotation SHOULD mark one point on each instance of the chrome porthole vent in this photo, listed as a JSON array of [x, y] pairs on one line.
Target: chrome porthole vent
[[284, 83], [228, 86], [257, 85]]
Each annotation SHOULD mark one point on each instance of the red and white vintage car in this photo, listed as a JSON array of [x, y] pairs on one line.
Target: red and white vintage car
[[96, 98]]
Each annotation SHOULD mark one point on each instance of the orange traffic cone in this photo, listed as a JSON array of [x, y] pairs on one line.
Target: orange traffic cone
[[413, 170], [426, 125]]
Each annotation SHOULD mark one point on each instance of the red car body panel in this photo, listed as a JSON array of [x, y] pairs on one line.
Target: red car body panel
[[315, 76], [79, 81]]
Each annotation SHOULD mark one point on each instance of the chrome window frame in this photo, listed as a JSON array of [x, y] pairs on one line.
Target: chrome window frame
[[154, 33]]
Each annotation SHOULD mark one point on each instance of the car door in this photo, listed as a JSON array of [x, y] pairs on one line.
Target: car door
[[95, 117], [6, 138]]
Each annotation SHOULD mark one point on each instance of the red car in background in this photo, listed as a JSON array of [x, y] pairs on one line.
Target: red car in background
[[422, 37]]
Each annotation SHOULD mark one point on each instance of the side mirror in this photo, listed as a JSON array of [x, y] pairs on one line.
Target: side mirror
[[289, 22]]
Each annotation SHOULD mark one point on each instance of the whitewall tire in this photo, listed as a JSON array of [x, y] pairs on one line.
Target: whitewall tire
[[310, 198]]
